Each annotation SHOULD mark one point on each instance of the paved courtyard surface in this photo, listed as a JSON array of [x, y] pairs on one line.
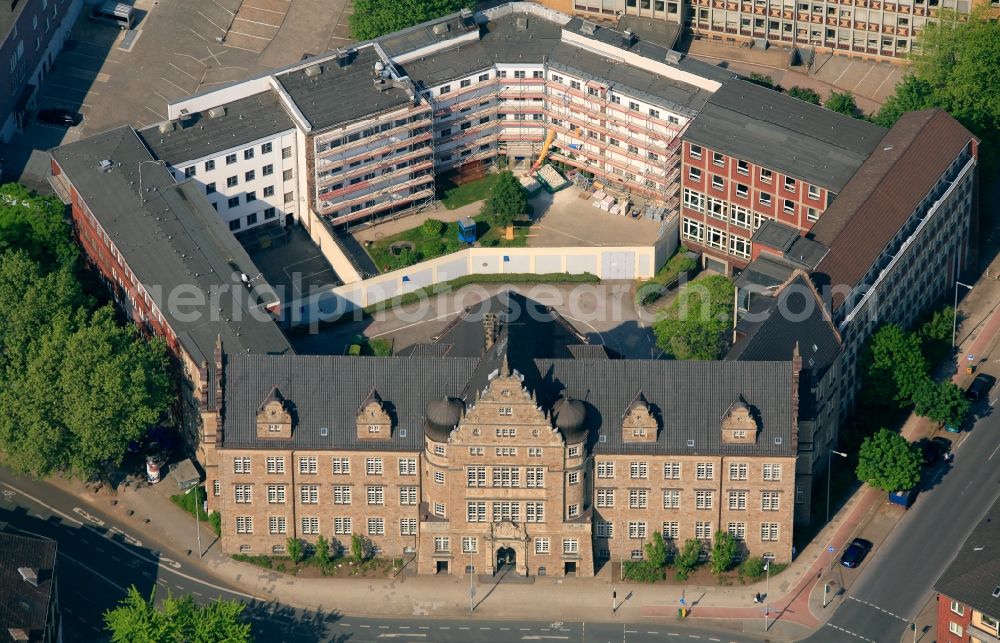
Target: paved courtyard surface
[[291, 264]]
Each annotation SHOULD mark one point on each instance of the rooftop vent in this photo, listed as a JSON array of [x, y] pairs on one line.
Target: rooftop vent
[[521, 24], [106, 165], [313, 70], [673, 57], [167, 126], [18, 634], [216, 112], [690, 443], [628, 38], [588, 27], [996, 592], [440, 29], [29, 574], [777, 440], [324, 431]]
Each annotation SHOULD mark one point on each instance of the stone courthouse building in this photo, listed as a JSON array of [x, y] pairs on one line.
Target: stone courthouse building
[[508, 441]]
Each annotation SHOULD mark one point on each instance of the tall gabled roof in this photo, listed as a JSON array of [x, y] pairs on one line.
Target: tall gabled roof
[[24, 605]]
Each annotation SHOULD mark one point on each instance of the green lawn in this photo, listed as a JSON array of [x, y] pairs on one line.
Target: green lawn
[[186, 501], [455, 196], [429, 243]]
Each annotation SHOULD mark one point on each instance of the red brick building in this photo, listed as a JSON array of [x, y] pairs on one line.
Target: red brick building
[[753, 154]]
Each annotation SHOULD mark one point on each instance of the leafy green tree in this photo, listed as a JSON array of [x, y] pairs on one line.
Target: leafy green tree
[[176, 620], [698, 323], [724, 551], [804, 93], [752, 568], [887, 461], [763, 81], [941, 402], [506, 201], [374, 18], [911, 95], [37, 225], [323, 555], [936, 334], [686, 560], [360, 551], [894, 365], [295, 549], [842, 102], [656, 551]]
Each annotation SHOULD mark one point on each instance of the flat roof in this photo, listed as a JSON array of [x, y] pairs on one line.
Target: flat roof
[[171, 238], [973, 577], [238, 123], [339, 95], [768, 128]]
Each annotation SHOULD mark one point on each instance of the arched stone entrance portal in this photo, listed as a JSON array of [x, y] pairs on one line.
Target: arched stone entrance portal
[[506, 558]]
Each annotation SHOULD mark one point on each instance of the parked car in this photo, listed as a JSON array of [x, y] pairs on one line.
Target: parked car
[[59, 116], [934, 451], [980, 387], [856, 552]]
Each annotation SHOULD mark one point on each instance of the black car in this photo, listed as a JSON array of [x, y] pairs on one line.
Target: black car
[[856, 552], [980, 387], [934, 450], [59, 116]]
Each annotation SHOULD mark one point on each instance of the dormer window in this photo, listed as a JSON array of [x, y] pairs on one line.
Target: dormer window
[[373, 420], [274, 417], [638, 422], [738, 424]]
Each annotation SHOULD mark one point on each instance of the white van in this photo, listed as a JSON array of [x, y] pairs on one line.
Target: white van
[[114, 13]]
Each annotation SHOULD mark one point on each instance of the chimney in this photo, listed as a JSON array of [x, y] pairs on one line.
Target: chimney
[[491, 326], [29, 574]]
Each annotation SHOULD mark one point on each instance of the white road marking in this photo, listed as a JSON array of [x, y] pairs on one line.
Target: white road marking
[[182, 71], [858, 636], [994, 453], [93, 571], [256, 22], [175, 85], [155, 112]]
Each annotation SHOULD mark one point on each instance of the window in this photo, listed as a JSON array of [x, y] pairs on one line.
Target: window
[[375, 494], [506, 477], [234, 202], [812, 215], [210, 188], [475, 476], [694, 174], [444, 89], [439, 477], [276, 525], [655, 113], [955, 628], [535, 511], [407, 496], [438, 449], [286, 152], [575, 84], [737, 471], [190, 171], [341, 495], [541, 545], [740, 247], [574, 451], [695, 151], [475, 511], [742, 190], [209, 165], [469, 543], [705, 471], [506, 511], [788, 206], [605, 498], [307, 465], [484, 77], [770, 500], [765, 175], [442, 543], [232, 181], [465, 82], [671, 499], [637, 498], [241, 465], [703, 530], [772, 472], [266, 148], [693, 229], [373, 466], [342, 526], [769, 531], [764, 198], [506, 411], [244, 524], [813, 192], [571, 546], [573, 478], [535, 477], [309, 494], [633, 105], [702, 499], [605, 469], [671, 530], [310, 525], [637, 529], [605, 529], [290, 196], [276, 493], [407, 466], [248, 154], [244, 494], [506, 452], [216, 488], [507, 432], [790, 184], [408, 527], [230, 159], [249, 175], [276, 464], [718, 183], [737, 500], [718, 159], [475, 451], [737, 530], [958, 608], [638, 470], [267, 170], [341, 466], [376, 526], [989, 622]]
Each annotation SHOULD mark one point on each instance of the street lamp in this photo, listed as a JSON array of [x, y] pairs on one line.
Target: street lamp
[[954, 312], [829, 466], [767, 593], [197, 520]]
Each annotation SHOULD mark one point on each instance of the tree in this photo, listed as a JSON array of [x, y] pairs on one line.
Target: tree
[[360, 548], [687, 558], [656, 551], [506, 201], [752, 568], [936, 334], [697, 324], [894, 365], [842, 102], [176, 620], [295, 549], [323, 556], [37, 225], [763, 81], [887, 461], [804, 93], [374, 18], [911, 95], [723, 552], [941, 402]]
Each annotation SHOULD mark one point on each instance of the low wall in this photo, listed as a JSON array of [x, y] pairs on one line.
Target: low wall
[[668, 241], [331, 251], [628, 263]]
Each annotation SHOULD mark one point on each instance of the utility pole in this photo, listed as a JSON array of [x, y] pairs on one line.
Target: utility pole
[[829, 457], [472, 587], [767, 593], [197, 520]]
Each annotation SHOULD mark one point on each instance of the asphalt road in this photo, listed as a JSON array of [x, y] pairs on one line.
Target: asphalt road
[[898, 579], [99, 559]]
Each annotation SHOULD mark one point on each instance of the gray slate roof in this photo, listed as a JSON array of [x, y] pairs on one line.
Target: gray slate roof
[[783, 133], [173, 239], [22, 605], [339, 95], [245, 121], [973, 577]]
